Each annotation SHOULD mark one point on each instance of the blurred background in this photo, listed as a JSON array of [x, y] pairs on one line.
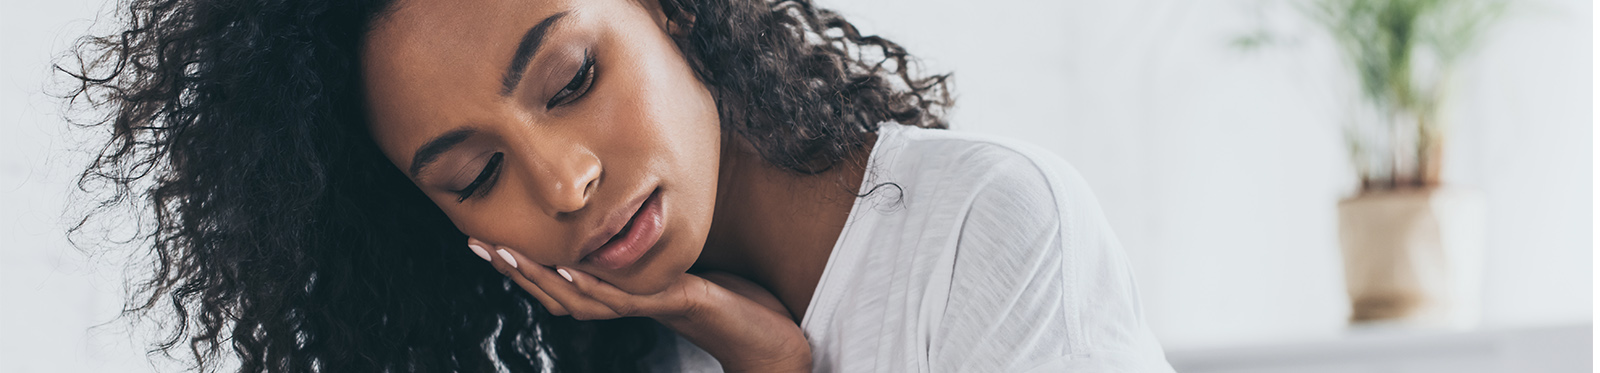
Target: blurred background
[[1221, 168]]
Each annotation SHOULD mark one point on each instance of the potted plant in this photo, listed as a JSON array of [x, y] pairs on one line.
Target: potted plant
[[1412, 247]]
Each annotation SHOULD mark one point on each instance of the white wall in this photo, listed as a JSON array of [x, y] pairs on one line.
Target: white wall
[[1219, 169], [54, 300]]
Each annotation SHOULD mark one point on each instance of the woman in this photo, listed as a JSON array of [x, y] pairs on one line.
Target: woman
[[656, 185]]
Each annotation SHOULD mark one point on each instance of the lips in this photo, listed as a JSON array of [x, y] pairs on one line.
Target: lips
[[632, 240]]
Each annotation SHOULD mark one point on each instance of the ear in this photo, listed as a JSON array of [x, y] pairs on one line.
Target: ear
[[677, 24]]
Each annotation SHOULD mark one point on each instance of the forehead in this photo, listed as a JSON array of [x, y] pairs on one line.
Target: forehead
[[458, 40], [433, 62], [444, 23]]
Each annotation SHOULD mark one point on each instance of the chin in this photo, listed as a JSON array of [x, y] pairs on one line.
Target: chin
[[665, 263], [688, 212]]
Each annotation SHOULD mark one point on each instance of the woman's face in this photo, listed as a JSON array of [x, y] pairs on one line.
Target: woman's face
[[546, 126]]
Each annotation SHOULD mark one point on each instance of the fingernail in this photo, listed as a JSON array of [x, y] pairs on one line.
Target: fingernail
[[564, 274], [480, 251], [507, 256]]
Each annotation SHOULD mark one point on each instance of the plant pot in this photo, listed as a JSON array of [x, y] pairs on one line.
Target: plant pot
[[1414, 257]]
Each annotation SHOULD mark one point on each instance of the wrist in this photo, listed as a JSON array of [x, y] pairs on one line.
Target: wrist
[[740, 333]]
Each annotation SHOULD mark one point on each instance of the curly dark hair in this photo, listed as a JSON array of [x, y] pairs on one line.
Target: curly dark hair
[[281, 233]]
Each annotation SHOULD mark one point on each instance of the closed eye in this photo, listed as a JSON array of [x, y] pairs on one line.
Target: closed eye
[[490, 169], [580, 84]]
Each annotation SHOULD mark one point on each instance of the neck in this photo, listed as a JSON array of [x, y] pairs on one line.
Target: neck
[[777, 227]]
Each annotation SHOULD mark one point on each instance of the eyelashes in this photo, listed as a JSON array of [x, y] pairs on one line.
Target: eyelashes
[[580, 83], [490, 169], [575, 89]]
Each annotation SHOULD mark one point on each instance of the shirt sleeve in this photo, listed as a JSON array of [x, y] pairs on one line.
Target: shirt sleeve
[[1039, 282]]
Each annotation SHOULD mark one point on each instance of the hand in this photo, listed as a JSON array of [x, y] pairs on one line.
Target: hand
[[746, 328], [585, 297]]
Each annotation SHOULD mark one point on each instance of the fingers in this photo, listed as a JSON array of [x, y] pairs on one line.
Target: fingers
[[601, 292], [506, 267], [550, 304], [605, 293], [577, 303], [568, 291], [480, 249]]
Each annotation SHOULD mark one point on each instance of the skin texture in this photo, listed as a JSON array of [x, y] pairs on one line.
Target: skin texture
[[760, 235], [279, 236], [644, 123]]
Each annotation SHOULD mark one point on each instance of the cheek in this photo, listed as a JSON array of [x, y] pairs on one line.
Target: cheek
[[512, 221], [664, 117], [665, 129], [688, 133]]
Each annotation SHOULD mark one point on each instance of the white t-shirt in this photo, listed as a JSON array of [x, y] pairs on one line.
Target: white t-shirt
[[984, 255]]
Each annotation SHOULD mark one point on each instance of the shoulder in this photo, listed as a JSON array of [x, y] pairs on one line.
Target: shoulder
[[1004, 201], [995, 177], [1037, 275]]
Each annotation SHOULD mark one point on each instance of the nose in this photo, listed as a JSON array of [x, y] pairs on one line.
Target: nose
[[570, 177]]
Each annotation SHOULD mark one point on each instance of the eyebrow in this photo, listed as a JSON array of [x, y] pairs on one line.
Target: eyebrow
[[525, 52], [431, 151]]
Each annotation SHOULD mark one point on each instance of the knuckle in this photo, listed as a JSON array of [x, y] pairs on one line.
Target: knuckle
[[625, 309]]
